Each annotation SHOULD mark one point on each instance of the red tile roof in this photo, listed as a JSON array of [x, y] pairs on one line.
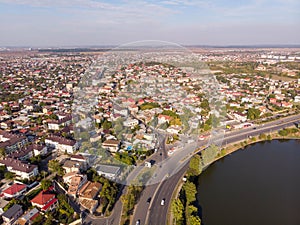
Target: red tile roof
[[42, 198], [15, 188], [53, 201]]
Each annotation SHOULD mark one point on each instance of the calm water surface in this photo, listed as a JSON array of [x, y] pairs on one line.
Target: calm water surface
[[259, 185]]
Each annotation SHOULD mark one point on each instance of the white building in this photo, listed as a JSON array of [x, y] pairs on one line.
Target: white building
[[62, 144], [22, 170], [108, 171], [297, 98], [130, 122]]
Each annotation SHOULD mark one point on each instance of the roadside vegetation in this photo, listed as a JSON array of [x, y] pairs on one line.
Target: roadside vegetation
[[185, 209], [129, 200]]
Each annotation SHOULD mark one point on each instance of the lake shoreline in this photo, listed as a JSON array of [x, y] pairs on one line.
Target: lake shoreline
[[228, 150]]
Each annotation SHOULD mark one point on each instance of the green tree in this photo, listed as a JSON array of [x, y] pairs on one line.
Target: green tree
[[194, 220], [49, 220], [177, 210], [45, 184], [176, 122], [2, 152], [2, 171], [205, 105], [53, 116], [192, 210], [209, 154], [39, 120], [253, 114], [195, 165], [190, 192], [262, 136], [283, 132], [170, 113], [9, 175], [35, 159], [130, 198], [55, 167], [149, 105], [272, 96], [106, 125]]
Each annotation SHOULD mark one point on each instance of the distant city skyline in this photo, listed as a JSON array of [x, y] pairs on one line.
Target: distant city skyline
[[42, 23]]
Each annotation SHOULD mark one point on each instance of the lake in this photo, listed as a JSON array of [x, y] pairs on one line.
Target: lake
[[259, 185]]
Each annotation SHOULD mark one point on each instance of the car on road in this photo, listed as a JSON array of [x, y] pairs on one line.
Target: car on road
[[137, 222], [162, 202], [149, 200]]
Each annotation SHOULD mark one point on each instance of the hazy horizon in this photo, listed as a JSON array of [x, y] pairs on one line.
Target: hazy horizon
[[43, 23]]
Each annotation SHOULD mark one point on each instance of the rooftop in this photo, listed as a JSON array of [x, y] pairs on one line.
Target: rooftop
[[15, 188], [43, 197], [18, 165], [10, 213], [108, 169]]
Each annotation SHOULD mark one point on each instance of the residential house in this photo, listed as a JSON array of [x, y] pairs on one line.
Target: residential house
[[58, 124], [90, 190], [14, 190], [95, 138], [73, 166], [273, 100], [22, 154], [12, 214], [240, 117], [45, 200], [108, 171], [39, 149], [27, 152], [133, 108], [22, 170], [76, 182], [28, 217], [261, 68], [163, 119], [111, 145], [80, 158], [68, 176], [287, 104], [120, 110], [11, 142], [173, 129], [130, 122], [62, 144], [3, 203], [87, 195], [297, 98]]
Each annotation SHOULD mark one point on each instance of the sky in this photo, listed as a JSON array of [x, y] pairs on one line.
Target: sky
[[60, 23]]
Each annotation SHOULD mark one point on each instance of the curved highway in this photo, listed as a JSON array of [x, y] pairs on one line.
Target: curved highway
[[154, 213]]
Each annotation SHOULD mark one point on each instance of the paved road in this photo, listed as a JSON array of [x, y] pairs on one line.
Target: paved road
[[174, 167], [157, 215], [141, 209]]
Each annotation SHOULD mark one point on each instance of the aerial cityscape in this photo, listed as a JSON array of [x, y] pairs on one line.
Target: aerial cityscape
[[149, 112]]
